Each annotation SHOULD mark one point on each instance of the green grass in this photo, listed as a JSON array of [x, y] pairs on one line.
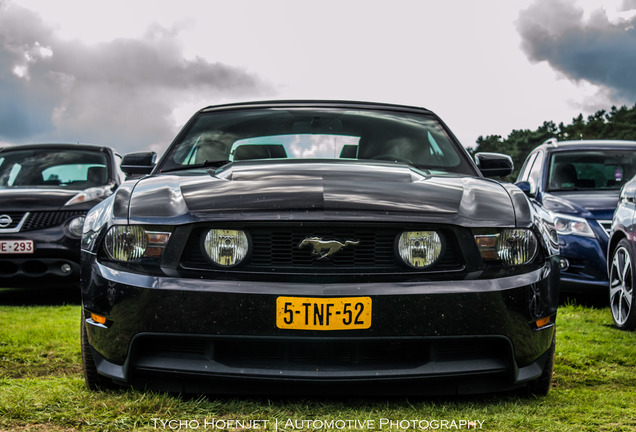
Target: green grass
[[41, 389]]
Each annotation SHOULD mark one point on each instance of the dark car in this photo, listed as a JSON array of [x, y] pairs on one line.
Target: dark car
[[620, 256], [339, 247], [578, 182], [45, 192]]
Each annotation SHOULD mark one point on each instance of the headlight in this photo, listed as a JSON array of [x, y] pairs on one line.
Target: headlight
[[513, 247], [565, 225], [91, 194], [133, 242], [226, 247], [419, 249], [75, 226]]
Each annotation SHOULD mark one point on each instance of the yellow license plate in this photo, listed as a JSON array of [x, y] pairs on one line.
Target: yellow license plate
[[308, 313]]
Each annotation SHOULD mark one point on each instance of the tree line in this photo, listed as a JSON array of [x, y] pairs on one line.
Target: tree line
[[618, 123]]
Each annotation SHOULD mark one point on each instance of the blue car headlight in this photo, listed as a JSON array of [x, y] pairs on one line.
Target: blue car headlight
[[572, 225]]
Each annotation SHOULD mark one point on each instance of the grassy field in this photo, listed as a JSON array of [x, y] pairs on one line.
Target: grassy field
[[41, 389]]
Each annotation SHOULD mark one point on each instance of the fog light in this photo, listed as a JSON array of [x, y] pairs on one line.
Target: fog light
[[226, 247], [66, 269], [420, 249], [564, 264]]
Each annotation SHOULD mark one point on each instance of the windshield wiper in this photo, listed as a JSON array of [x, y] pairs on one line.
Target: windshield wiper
[[204, 164]]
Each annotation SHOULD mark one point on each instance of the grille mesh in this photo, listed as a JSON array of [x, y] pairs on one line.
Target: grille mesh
[[39, 220]]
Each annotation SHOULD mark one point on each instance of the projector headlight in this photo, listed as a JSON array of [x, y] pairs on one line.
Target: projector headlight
[[226, 247], [420, 249], [566, 224]]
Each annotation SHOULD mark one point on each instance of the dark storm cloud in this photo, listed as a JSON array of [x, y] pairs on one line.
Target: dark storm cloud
[[596, 50], [119, 93]]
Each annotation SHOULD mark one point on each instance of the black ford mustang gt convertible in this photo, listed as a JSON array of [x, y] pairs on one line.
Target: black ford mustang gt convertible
[[315, 246]]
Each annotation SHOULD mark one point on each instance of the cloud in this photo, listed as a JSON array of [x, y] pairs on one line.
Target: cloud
[[121, 93], [594, 48]]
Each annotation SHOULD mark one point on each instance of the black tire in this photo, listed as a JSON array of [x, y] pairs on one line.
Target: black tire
[[541, 386], [621, 286], [94, 381]]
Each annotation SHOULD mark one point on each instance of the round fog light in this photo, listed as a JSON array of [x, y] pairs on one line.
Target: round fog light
[[226, 247], [564, 264], [66, 268], [420, 249]]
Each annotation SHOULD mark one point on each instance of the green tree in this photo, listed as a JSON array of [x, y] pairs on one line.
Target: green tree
[[618, 123]]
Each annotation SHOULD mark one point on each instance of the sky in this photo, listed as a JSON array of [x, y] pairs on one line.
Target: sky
[[130, 73]]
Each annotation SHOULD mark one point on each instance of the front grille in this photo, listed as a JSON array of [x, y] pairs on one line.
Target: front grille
[[47, 219], [16, 218], [277, 249]]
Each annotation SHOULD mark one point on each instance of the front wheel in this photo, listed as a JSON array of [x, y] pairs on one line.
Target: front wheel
[[621, 286]]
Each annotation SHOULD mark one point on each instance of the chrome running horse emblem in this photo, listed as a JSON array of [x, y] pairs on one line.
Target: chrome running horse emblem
[[325, 248]]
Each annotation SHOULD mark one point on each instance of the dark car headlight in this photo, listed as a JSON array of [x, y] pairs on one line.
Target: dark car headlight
[[226, 247], [511, 246], [131, 243], [420, 249]]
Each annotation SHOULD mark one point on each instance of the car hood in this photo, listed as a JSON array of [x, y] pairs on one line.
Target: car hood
[[29, 199], [589, 204], [317, 191]]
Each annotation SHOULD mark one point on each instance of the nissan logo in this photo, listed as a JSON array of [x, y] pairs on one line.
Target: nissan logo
[[5, 221]]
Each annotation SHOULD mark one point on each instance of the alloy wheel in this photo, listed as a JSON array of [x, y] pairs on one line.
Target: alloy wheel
[[621, 286]]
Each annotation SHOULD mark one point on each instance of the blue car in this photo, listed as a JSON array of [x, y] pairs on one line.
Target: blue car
[[621, 259], [579, 182]]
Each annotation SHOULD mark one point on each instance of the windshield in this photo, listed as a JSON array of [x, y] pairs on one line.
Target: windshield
[[331, 134], [591, 170], [73, 169]]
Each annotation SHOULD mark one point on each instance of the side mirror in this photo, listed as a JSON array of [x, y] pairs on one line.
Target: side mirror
[[138, 163], [525, 187], [494, 164]]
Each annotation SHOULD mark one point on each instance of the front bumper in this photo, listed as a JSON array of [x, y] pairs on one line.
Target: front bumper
[[587, 264], [56, 259], [461, 336]]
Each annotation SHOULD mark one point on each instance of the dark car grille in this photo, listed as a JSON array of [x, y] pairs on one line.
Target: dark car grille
[[16, 218], [323, 355], [277, 249], [42, 219]]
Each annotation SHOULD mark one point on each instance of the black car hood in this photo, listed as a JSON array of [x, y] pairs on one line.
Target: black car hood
[[314, 191], [29, 199], [594, 204]]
